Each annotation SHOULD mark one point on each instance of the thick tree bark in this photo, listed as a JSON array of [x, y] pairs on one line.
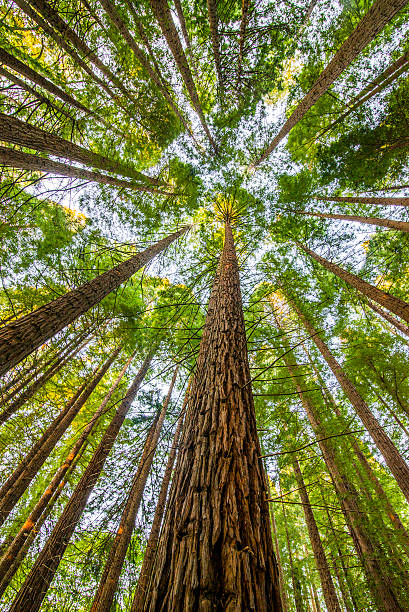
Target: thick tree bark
[[27, 469], [328, 588], [151, 546], [394, 304], [162, 13], [24, 134], [35, 587], [390, 201], [215, 550], [393, 458], [20, 338], [109, 580], [26, 161], [402, 226], [12, 553], [388, 317], [380, 13]]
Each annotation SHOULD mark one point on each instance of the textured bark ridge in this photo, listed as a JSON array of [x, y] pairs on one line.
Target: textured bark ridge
[[21, 337], [215, 551]]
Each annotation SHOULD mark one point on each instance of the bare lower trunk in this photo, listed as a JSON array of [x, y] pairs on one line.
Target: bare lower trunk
[[35, 587], [215, 550], [20, 338]]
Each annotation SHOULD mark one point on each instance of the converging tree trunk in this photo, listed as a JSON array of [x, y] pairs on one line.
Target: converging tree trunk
[[35, 587], [215, 550], [390, 201], [21, 337], [402, 226], [388, 317]]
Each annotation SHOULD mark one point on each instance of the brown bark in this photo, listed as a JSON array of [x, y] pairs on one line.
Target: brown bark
[[13, 550], [245, 8], [20, 338], [215, 551], [109, 580], [380, 13], [35, 587], [388, 317], [34, 163], [283, 594], [389, 201], [214, 34], [162, 13], [393, 458], [27, 469], [24, 134], [297, 592], [394, 304], [402, 226], [328, 588], [151, 546]]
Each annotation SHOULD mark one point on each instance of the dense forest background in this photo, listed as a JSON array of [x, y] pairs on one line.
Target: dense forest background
[[135, 136]]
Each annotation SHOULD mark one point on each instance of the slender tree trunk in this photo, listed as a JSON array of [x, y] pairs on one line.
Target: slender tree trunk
[[297, 592], [215, 550], [245, 8], [26, 161], [12, 552], [20, 338], [214, 33], [328, 588], [380, 13], [27, 469], [394, 304], [24, 134], [389, 201], [402, 226], [109, 580], [283, 594], [388, 317], [162, 13], [35, 587], [150, 551]]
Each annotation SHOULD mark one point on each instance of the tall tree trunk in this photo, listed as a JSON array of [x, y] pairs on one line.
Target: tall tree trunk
[[402, 226], [24, 134], [380, 13], [394, 304], [13, 551], [297, 592], [162, 13], [389, 201], [388, 317], [283, 594], [26, 161], [27, 469], [109, 580], [150, 551], [20, 338], [214, 34], [35, 587], [245, 8], [215, 550], [328, 588]]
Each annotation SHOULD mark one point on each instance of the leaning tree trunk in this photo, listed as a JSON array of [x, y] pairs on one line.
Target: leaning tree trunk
[[394, 304], [13, 551], [27, 135], [328, 588], [20, 338], [402, 226], [105, 594], [28, 468], [215, 550], [393, 458], [380, 13], [390, 201], [388, 317], [35, 587]]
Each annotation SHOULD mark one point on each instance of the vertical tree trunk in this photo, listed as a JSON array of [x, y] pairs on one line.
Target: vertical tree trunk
[[380, 13], [149, 556], [283, 593], [214, 33], [393, 458], [396, 305], [297, 592], [215, 550], [28, 468], [328, 588], [35, 587], [109, 580], [13, 551], [20, 338]]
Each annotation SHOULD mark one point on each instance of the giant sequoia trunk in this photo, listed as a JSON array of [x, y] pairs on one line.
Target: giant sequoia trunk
[[109, 580], [35, 587], [215, 550], [21, 337], [394, 304], [380, 13]]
